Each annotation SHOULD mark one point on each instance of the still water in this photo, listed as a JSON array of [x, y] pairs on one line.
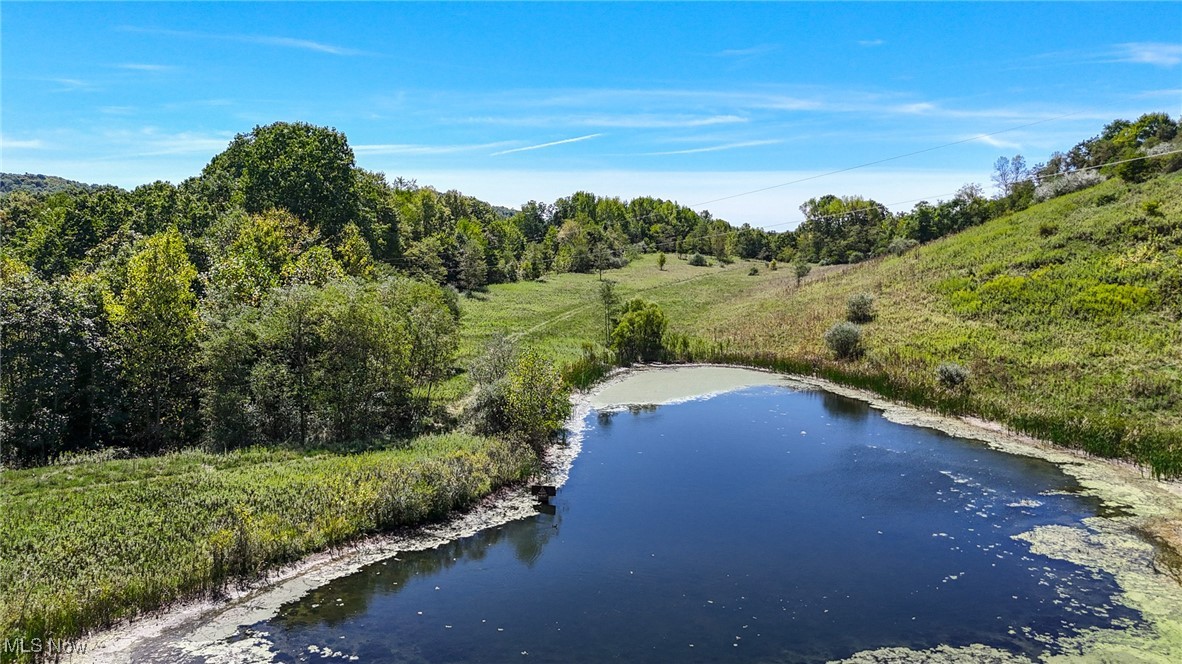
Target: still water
[[763, 524]]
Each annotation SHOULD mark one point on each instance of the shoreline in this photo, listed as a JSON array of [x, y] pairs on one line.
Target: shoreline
[[199, 628]]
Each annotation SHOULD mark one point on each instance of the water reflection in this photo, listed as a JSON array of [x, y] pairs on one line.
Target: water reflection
[[324, 606], [761, 525]]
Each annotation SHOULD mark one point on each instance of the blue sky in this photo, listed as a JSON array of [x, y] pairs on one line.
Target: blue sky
[[511, 102]]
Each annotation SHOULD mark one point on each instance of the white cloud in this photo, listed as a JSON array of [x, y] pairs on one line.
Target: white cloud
[[547, 145], [7, 143], [138, 66], [413, 149], [870, 43], [1150, 53], [265, 40], [997, 143], [638, 121], [750, 52], [715, 148]]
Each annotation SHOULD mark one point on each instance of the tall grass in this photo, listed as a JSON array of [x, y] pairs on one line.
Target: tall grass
[[88, 545]]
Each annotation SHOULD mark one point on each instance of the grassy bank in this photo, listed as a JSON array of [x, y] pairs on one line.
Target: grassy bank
[[87, 545], [1065, 314]]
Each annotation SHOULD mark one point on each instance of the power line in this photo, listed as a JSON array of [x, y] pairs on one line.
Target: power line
[[883, 161]]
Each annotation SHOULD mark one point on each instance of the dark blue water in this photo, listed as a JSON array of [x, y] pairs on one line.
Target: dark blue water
[[765, 524]]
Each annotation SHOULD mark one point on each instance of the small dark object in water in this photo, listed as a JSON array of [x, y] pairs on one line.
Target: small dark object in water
[[543, 491]]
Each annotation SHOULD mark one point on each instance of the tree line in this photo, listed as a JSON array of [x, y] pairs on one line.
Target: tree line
[[286, 295]]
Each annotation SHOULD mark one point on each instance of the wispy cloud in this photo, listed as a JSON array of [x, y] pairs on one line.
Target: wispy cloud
[[614, 121], [71, 84], [750, 52], [547, 145], [139, 66], [264, 40], [7, 143], [870, 43], [412, 149], [996, 142], [715, 148], [1150, 53]]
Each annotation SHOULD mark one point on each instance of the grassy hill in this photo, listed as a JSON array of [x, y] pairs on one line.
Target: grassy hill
[[1066, 315]]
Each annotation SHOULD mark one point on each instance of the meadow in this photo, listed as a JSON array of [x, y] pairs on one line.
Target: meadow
[[1066, 316], [89, 544]]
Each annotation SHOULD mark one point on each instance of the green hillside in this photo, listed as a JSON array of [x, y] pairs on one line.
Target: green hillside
[[1066, 315]]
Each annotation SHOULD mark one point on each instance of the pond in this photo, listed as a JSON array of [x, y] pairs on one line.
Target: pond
[[767, 523]]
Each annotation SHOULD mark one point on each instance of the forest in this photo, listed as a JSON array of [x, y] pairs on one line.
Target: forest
[[286, 296]]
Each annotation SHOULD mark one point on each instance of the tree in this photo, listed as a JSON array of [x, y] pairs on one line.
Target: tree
[[538, 401], [661, 261], [156, 326], [639, 335], [354, 253], [801, 269], [304, 169], [1007, 173], [54, 383], [610, 299]]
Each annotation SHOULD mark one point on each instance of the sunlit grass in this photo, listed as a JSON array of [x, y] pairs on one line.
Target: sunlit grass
[[87, 545]]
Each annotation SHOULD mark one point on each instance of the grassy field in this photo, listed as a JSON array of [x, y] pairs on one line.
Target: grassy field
[[89, 544], [1066, 314]]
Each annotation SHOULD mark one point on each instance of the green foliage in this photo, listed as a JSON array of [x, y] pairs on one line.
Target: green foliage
[[354, 254], [639, 334], [298, 167], [54, 385], [661, 260], [697, 260], [951, 375], [860, 308], [325, 366], [518, 393], [155, 331], [538, 401], [845, 340], [94, 543], [801, 270], [752, 271]]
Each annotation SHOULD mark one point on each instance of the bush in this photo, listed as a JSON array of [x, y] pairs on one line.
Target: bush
[[753, 271], [900, 245], [697, 260], [640, 333], [1066, 183], [845, 340], [772, 265], [951, 375], [1047, 228], [860, 308]]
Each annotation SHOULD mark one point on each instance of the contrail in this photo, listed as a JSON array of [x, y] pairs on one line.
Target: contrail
[[546, 145]]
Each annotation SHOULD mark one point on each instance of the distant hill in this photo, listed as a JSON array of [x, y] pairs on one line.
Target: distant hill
[[39, 184]]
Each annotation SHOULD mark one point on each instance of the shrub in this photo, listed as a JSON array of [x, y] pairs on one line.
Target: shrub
[[1048, 228], [753, 271], [845, 340], [900, 245], [639, 334], [697, 260], [1066, 183], [951, 375], [772, 265], [860, 308]]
